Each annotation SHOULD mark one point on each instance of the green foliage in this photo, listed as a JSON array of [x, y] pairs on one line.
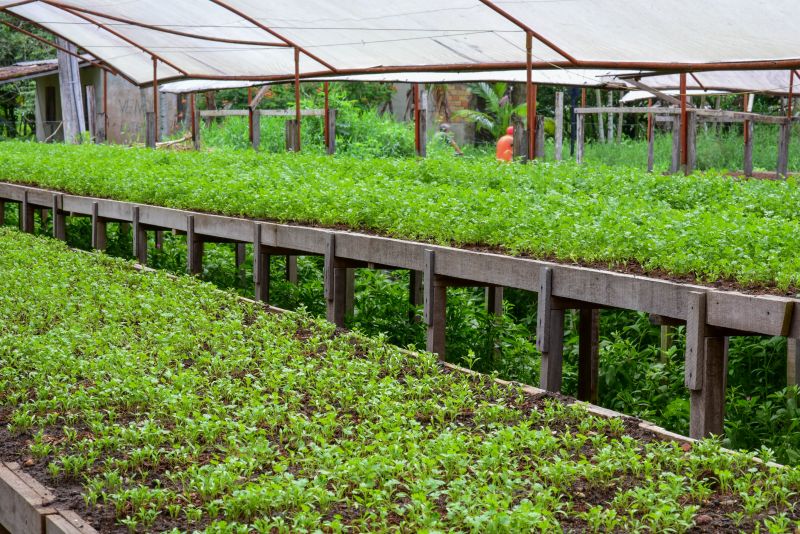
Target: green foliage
[[174, 404], [704, 225], [498, 109]]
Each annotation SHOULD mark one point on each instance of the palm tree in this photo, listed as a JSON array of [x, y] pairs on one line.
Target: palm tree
[[497, 117]]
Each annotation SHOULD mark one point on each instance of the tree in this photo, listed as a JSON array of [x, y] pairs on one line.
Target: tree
[[498, 112]]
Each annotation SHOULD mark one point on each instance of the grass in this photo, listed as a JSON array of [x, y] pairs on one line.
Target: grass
[[177, 407], [704, 226]]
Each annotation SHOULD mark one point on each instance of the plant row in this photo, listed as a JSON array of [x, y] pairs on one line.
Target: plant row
[[178, 407], [704, 226]]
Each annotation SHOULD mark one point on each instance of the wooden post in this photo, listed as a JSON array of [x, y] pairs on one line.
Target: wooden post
[[261, 264], [539, 138], [783, 149], [331, 122], [194, 249], [549, 335], [91, 112], [707, 405], [195, 122], [435, 307], [559, 141], [241, 256], [59, 218], [748, 148], [335, 285], [793, 362], [580, 137], [139, 238], [600, 128], [291, 269], [691, 143], [26, 215], [416, 297], [620, 124], [2, 213], [350, 293], [71, 93], [99, 229], [667, 336], [150, 129], [675, 164], [156, 114], [291, 136], [588, 355], [610, 136], [494, 300], [105, 106], [255, 120], [520, 145]]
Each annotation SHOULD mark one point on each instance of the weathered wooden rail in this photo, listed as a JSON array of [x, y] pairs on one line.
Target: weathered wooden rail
[[711, 315], [696, 116]]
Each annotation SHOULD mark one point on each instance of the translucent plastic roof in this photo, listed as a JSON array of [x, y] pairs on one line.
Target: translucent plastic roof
[[246, 39], [577, 77], [764, 81]]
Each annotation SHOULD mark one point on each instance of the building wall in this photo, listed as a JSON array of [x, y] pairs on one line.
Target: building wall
[[458, 97], [127, 106]]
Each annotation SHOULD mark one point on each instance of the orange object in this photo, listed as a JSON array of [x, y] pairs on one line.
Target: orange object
[[505, 146]]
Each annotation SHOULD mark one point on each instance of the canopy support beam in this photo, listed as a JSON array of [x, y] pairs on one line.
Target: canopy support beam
[[118, 35], [275, 34], [684, 124], [655, 92], [326, 119], [131, 22], [155, 98]]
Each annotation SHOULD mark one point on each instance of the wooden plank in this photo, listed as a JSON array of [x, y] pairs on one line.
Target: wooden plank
[[707, 405], [748, 148], [580, 137], [165, 218], [67, 522], [381, 250], [695, 341], [435, 307], [765, 314], [627, 110], [588, 355], [291, 135], [328, 275], [21, 507], [226, 228], [261, 264], [551, 373], [669, 99], [487, 269], [545, 291]]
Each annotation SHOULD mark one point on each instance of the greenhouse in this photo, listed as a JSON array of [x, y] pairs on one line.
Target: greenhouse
[[378, 266]]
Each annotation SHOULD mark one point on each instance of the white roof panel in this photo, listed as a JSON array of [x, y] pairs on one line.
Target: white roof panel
[[236, 39]]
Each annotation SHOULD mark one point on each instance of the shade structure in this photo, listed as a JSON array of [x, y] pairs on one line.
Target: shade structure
[[637, 96], [774, 82], [578, 77], [258, 39]]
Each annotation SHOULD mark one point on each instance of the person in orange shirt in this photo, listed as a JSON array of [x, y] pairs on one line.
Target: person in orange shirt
[[505, 146]]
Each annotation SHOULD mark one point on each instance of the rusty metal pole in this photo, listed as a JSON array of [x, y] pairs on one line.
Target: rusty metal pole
[[155, 96], [326, 120], [684, 124], [193, 110], [297, 114], [417, 136], [530, 98]]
